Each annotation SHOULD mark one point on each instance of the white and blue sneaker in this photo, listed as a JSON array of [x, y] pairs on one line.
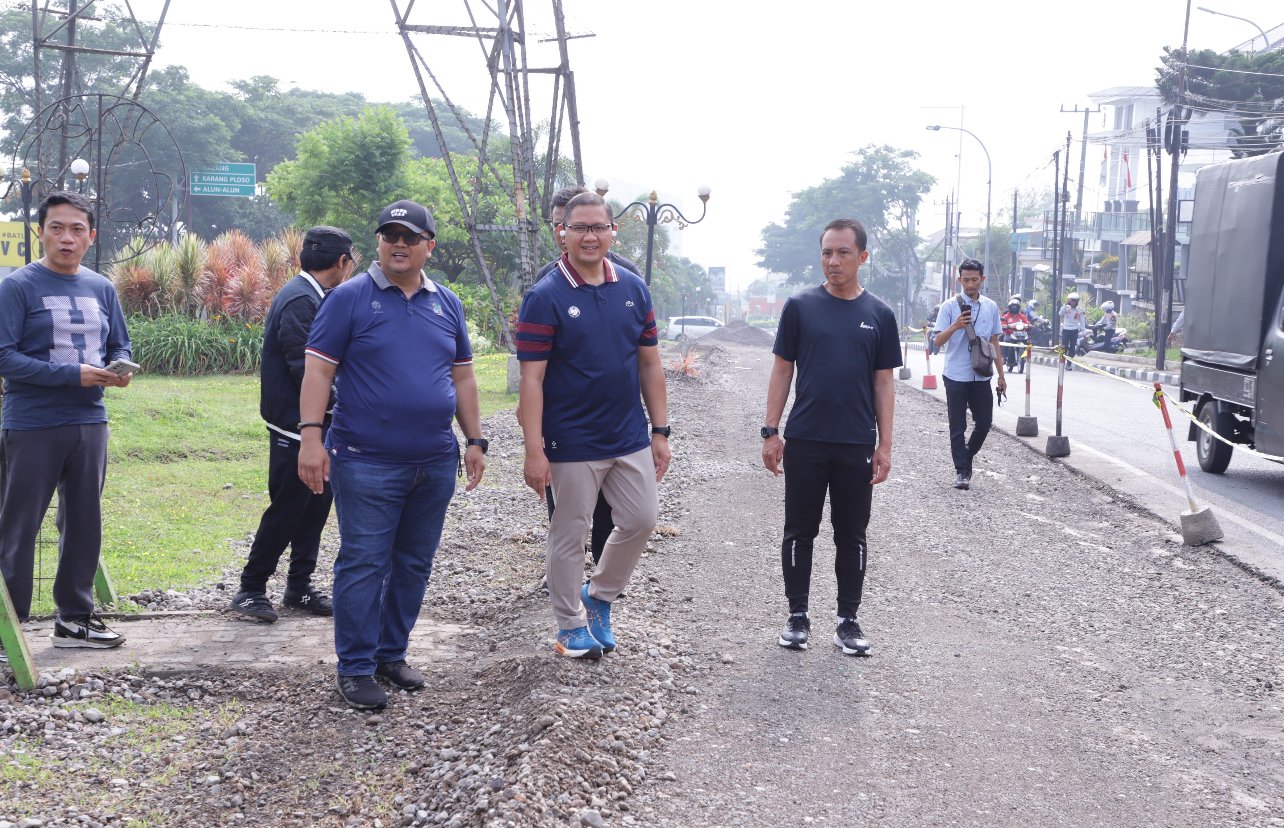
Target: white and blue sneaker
[[577, 643], [599, 619]]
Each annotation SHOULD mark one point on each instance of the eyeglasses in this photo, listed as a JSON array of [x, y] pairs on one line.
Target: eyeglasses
[[596, 229], [410, 237]]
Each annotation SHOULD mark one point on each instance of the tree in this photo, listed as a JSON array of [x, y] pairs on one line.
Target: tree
[[1247, 87], [347, 170], [882, 189]]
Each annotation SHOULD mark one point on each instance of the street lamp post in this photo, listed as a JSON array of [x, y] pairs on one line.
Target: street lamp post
[[25, 188], [653, 212], [1265, 40], [80, 169], [989, 176]]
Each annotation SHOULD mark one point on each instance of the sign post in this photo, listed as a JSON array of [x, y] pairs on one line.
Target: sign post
[[231, 179]]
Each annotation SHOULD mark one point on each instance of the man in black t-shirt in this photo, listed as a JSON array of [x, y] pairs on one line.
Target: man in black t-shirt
[[844, 342]]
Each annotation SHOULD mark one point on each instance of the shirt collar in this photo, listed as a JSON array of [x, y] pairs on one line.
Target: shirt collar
[[312, 281], [574, 279], [376, 273]]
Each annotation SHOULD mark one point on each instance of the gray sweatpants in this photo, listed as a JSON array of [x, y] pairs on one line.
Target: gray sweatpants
[[33, 464], [628, 484]]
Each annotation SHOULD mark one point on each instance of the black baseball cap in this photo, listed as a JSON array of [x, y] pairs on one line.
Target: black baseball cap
[[408, 214], [326, 239]]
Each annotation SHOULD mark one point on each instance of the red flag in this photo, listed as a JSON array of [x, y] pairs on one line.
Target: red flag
[[1127, 172]]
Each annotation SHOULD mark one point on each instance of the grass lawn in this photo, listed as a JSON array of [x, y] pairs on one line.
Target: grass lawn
[[187, 474]]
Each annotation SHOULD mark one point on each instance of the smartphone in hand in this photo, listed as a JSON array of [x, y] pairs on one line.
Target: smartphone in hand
[[123, 367]]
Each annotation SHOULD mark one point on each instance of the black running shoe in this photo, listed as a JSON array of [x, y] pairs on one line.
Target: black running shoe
[[400, 674], [362, 692], [797, 629], [850, 638], [88, 632], [254, 605], [309, 601]]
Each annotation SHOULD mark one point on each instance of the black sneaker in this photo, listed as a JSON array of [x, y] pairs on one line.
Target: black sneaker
[[309, 601], [254, 605], [88, 632], [851, 638], [797, 628], [963, 480], [362, 692], [400, 674]]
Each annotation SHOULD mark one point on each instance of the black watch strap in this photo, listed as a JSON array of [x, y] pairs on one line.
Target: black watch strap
[[663, 431], [480, 441], [769, 431], [311, 425]]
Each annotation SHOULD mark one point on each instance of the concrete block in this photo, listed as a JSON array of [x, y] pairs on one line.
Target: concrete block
[[1058, 446], [929, 382], [514, 374], [1027, 426], [1200, 527], [905, 372]]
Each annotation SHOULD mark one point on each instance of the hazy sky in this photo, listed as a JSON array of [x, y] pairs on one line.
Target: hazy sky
[[757, 100]]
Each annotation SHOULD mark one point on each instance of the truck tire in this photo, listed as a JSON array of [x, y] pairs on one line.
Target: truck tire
[[1214, 455]]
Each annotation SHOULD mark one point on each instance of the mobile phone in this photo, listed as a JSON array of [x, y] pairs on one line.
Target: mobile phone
[[123, 367]]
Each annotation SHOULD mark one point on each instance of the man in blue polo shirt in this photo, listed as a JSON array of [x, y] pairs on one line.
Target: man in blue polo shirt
[[964, 387], [398, 347], [588, 344]]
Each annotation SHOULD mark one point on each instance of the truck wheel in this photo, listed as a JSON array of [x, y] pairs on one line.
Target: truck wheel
[[1214, 455]]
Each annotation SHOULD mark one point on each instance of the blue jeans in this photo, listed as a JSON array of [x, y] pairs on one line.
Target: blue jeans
[[390, 520]]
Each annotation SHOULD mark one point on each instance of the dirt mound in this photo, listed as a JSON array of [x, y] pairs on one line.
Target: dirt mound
[[739, 333]]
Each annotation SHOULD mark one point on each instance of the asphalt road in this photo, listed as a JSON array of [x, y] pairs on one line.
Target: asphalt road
[[1117, 434]]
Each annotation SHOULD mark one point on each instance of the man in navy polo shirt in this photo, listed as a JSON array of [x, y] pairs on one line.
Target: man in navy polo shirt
[[397, 344], [588, 344]]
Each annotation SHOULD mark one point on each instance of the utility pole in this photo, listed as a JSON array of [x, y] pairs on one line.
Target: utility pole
[[1176, 126], [1064, 195], [1083, 165], [1017, 282], [1055, 289], [946, 269]]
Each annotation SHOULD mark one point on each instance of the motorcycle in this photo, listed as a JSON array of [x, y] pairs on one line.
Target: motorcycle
[[1097, 340], [1041, 332], [1017, 338]]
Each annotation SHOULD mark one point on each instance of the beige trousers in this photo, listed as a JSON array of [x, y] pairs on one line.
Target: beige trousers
[[628, 483]]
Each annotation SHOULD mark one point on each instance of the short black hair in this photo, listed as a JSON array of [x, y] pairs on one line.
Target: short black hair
[[971, 264], [563, 196], [586, 199], [323, 248], [862, 238], [63, 197]]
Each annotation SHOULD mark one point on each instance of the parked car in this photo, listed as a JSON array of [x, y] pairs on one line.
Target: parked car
[[692, 327]]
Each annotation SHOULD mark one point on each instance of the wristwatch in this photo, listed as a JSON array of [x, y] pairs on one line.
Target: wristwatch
[[769, 431], [663, 431], [480, 441], [302, 426]]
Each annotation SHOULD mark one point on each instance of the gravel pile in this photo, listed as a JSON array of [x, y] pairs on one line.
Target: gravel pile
[[739, 333]]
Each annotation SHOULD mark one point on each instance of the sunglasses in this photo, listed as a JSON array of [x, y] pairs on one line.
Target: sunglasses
[[410, 237]]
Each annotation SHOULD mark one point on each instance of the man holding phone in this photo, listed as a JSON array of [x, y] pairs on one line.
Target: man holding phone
[[964, 387], [60, 324]]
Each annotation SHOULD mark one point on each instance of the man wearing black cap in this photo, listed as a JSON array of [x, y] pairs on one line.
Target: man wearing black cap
[[295, 516], [398, 346]]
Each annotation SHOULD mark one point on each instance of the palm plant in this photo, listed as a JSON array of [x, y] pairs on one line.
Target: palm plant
[[277, 263], [189, 265], [162, 261]]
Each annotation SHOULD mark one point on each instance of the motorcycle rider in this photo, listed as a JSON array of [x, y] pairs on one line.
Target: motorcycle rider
[[1011, 316]]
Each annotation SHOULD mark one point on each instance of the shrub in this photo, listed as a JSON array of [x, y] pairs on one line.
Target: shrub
[[177, 344]]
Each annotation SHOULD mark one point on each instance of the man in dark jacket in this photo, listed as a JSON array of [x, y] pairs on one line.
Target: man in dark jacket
[[296, 516]]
